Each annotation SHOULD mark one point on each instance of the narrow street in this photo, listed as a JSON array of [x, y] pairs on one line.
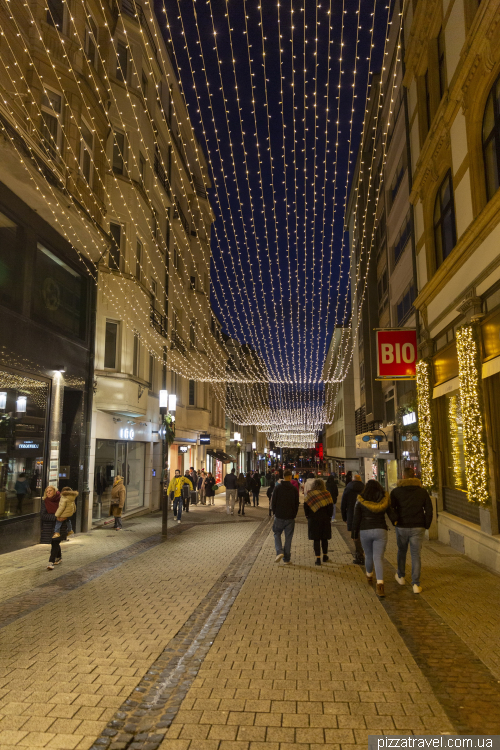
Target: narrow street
[[201, 641]]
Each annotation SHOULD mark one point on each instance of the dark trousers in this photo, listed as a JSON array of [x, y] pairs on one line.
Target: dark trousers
[[320, 544], [55, 550], [360, 554], [20, 499], [185, 503], [255, 497], [241, 504]]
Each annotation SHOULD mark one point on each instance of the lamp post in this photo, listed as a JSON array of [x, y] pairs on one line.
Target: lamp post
[[168, 405]]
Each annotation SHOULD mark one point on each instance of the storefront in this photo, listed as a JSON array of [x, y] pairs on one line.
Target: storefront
[[46, 336], [378, 457]]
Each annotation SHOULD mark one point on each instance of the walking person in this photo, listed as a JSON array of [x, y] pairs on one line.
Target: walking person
[[331, 486], [231, 485], [50, 504], [318, 507], [66, 509], [308, 483], [210, 485], [413, 508], [241, 484], [270, 491], [370, 526], [201, 487], [255, 489], [285, 505], [118, 496], [349, 497], [175, 492], [21, 488], [348, 478]]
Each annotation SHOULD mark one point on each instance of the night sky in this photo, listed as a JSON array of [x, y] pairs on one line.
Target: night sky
[[279, 284]]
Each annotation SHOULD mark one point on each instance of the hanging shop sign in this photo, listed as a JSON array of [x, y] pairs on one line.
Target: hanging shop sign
[[396, 353], [205, 439], [183, 448]]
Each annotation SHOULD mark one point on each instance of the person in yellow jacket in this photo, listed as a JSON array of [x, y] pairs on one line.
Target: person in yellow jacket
[[175, 492]]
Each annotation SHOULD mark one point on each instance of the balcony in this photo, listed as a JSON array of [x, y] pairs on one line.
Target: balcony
[[158, 321]]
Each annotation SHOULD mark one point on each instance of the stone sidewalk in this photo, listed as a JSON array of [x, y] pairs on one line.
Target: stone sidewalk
[[203, 642]]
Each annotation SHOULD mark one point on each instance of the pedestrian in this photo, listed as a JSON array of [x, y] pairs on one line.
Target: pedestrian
[[210, 485], [295, 483], [413, 507], [175, 492], [50, 504], [285, 505], [21, 488], [193, 476], [331, 486], [255, 489], [309, 482], [231, 485], [201, 486], [318, 509], [118, 496], [370, 526], [270, 491], [348, 478], [186, 492], [349, 497], [241, 483], [67, 508]]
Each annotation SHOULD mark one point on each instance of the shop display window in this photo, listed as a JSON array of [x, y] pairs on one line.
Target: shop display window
[[23, 411], [118, 458]]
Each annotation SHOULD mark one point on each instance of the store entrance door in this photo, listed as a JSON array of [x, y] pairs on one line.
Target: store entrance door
[[118, 458]]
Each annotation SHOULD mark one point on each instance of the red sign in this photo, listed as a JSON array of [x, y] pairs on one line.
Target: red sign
[[319, 451], [396, 353]]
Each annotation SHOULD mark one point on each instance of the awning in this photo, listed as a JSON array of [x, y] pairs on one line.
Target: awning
[[220, 456]]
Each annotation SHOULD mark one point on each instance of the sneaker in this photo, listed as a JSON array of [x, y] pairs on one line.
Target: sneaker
[[70, 533], [401, 580], [50, 566], [326, 558], [178, 521], [56, 535], [318, 561], [279, 557], [287, 562], [232, 512], [57, 561], [380, 590], [417, 589]]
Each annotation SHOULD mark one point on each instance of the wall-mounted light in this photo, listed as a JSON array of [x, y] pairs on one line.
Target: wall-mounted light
[[61, 368], [3, 400], [172, 402], [21, 404]]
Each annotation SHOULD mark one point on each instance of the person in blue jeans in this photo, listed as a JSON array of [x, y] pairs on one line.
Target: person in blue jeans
[[413, 508], [284, 506], [369, 525]]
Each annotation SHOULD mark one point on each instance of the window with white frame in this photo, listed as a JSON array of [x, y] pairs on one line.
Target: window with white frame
[[111, 345], [91, 41], [86, 152], [52, 107]]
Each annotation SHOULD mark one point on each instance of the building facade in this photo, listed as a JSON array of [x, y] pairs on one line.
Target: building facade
[[452, 58]]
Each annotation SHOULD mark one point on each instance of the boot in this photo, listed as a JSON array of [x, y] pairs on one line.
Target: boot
[[380, 590]]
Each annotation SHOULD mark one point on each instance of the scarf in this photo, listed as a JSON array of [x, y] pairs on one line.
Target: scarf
[[379, 507], [317, 499], [52, 503]]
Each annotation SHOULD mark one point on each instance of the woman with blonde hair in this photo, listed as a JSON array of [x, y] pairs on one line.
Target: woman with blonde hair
[[318, 507], [50, 504], [118, 495]]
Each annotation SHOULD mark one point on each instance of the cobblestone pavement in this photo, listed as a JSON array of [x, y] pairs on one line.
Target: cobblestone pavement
[[202, 642]]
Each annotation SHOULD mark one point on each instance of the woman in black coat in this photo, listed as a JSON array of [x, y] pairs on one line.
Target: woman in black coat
[[50, 503], [210, 488], [318, 507]]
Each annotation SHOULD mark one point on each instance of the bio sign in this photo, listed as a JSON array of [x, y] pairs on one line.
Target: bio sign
[[396, 353]]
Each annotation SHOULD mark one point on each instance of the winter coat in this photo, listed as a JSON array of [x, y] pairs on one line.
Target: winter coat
[[242, 487], [67, 505], [230, 481], [118, 494], [21, 487], [285, 501], [47, 526], [270, 490], [349, 497], [255, 484], [369, 515], [176, 484], [210, 486], [295, 484], [331, 486], [319, 523], [412, 504]]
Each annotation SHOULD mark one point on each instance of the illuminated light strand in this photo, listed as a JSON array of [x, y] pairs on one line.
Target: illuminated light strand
[[426, 423], [455, 442]]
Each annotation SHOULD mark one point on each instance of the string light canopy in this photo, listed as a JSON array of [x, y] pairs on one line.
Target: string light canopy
[[277, 95]]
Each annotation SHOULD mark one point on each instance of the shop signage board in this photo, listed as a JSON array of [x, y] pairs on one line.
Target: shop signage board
[[205, 439], [183, 448], [396, 353]]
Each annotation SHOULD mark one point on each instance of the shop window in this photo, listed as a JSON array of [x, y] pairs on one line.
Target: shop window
[[125, 458], [52, 122], [87, 153], [55, 13], [59, 294], [23, 409], [111, 345], [455, 463], [445, 233], [491, 140], [382, 292], [10, 263], [397, 179], [121, 62], [119, 153], [115, 255], [91, 41], [192, 391], [389, 411]]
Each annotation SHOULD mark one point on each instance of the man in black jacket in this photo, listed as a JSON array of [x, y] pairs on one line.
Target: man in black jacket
[[351, 492], [230, 483], [285, 506], [413, 507]]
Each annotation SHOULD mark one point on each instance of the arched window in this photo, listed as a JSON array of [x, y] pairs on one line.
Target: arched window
[[491, 140], [445, 233]]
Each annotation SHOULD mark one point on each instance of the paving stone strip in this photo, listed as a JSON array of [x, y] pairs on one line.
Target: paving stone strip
[[466, 689], [143, 720], [23, 604]]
